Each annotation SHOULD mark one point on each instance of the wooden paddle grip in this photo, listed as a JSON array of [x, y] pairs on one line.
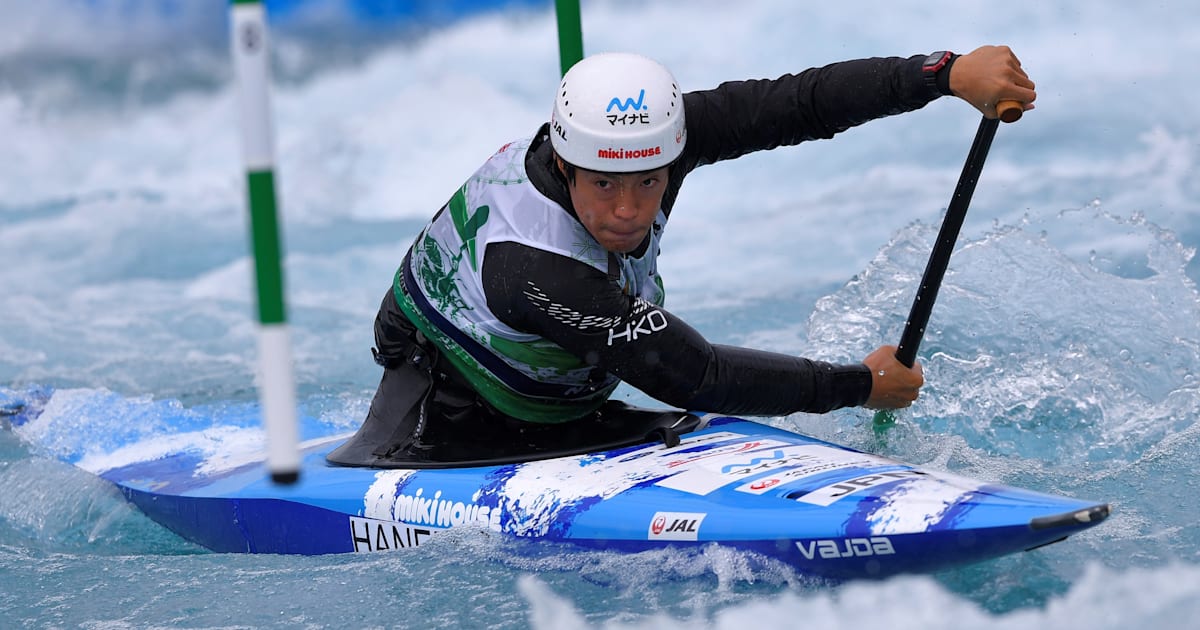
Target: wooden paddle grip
[[1009, 111]]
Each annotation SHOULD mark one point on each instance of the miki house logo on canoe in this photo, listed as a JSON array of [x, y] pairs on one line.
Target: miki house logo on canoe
[[675, 525]]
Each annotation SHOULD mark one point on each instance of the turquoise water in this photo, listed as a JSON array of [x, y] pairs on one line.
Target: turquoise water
[[1063, 355]]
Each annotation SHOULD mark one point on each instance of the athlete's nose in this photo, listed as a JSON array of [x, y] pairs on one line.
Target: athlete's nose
[[624, 206]]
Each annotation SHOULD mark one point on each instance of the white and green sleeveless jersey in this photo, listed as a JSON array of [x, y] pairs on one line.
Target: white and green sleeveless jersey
[[521, 374]]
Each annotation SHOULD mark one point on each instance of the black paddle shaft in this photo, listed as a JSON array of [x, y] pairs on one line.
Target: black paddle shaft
[[939, 259]]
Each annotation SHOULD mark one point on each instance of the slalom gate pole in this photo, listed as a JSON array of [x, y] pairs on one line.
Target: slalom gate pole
[[277, 385], [570, 33], [939, 258]]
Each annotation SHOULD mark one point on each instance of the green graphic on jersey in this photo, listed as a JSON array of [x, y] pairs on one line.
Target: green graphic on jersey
[[437, 270], [588, 250], [466, 225], [546, 410], [544, 355]]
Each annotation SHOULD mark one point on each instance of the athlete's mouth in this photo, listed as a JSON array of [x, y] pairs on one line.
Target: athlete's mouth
[[626, 233]]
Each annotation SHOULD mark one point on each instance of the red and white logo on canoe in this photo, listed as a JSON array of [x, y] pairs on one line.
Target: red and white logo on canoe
[[763, 484], [675, 525]]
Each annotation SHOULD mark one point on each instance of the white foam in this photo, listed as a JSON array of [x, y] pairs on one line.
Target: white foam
[[1102, 598]]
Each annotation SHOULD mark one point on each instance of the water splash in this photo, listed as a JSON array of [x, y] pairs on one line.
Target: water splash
[[1028, 340]]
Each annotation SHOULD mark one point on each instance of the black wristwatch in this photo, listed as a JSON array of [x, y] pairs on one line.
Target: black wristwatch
[[936, 71]]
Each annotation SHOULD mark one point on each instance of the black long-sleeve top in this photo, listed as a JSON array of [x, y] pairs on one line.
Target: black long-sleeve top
[[676, 364]]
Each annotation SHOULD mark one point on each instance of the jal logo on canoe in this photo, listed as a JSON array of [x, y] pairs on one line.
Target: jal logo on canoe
[[763, 484], [675, 526]]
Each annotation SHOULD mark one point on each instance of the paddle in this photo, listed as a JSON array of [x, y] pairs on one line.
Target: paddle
[[939, 259]]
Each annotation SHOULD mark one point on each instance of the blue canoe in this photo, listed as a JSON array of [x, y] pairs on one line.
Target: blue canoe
[[825, 509]]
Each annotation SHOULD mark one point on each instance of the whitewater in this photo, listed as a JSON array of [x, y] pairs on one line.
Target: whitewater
[[1063, 354]]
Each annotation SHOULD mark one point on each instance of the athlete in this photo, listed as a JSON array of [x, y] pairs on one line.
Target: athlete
[[535, 290]]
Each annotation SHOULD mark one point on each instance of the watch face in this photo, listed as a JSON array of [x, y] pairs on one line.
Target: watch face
[[934, 62]]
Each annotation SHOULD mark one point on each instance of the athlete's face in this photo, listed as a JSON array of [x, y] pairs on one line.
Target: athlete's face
[[618, 209]]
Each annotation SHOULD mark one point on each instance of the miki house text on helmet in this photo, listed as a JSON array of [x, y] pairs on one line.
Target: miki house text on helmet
[[618, 113]]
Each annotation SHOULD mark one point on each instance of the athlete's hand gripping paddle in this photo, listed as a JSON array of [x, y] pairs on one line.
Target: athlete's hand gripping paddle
[[939, 259]]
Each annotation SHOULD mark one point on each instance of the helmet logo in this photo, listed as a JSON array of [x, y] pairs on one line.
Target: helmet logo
[[629, 102], [637, 117], [628, 154]]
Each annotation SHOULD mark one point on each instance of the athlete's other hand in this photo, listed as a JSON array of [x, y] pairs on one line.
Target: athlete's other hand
[[893, 385]]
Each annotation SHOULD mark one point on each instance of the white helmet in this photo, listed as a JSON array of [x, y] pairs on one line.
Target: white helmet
[[618, 113]]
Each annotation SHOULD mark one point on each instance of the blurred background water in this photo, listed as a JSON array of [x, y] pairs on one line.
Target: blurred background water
[[1063, 354]]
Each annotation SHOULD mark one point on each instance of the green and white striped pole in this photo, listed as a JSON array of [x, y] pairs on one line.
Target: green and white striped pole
[[277, 385], [570, 33]]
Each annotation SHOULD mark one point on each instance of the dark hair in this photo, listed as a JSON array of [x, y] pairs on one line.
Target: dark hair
[[567, 174], [570, 171]]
